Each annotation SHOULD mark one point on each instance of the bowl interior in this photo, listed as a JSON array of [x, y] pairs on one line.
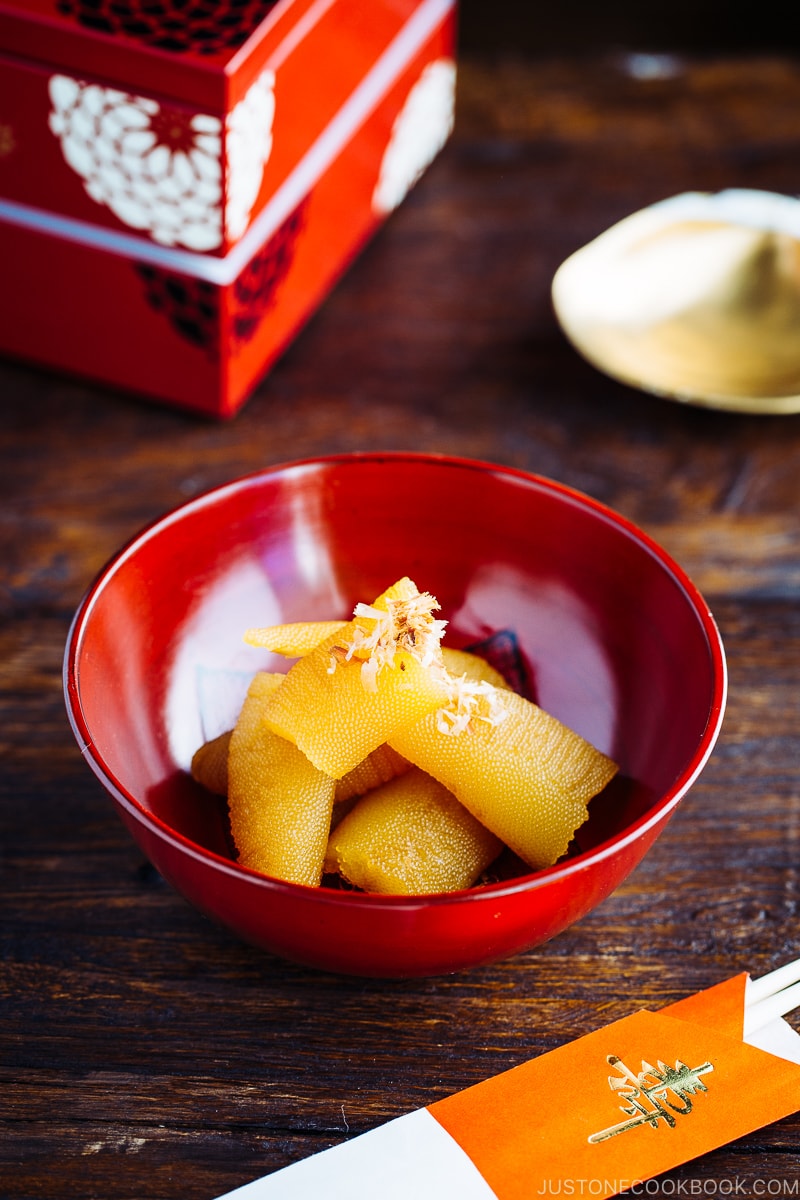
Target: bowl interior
[[616, 642]]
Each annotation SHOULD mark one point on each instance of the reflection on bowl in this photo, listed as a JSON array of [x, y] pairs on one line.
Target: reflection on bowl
[[617, 641]]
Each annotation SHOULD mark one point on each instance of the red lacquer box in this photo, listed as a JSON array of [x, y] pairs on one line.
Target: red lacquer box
[[182, 181]]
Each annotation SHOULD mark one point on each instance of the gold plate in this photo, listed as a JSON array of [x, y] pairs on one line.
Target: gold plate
[[696, 298]]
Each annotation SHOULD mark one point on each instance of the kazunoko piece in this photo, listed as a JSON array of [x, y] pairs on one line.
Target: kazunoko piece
[[280, 805], [364, 682], [410, 837], [518, 770]]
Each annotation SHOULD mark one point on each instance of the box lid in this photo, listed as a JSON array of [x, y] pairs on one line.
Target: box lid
[[202, 52], [236, 95]]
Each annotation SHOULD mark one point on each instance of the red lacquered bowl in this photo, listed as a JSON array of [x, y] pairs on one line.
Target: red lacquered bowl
[[617, 641]]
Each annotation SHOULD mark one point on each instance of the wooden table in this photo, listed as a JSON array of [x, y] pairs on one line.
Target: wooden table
[[146, 1053]]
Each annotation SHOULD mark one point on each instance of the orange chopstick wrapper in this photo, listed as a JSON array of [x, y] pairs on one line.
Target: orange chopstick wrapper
[[612, 1109]]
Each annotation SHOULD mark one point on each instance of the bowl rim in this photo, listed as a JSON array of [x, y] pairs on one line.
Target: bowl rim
[[490, 891]]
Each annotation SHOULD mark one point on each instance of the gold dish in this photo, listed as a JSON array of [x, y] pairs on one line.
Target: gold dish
[[696, 298]]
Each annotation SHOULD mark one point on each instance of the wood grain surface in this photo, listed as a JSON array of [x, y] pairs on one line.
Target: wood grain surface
[[145, 1052]]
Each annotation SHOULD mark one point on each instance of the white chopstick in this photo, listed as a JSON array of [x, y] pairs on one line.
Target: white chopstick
[[767, 985], [772, 996], [771, 1007]]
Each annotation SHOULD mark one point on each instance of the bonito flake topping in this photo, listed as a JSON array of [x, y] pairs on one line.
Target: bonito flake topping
[[406, 624], [470, 698]]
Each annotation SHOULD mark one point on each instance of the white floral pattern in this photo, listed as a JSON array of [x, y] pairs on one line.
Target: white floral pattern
[[159, 170], [248, 142], [420, 130]]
